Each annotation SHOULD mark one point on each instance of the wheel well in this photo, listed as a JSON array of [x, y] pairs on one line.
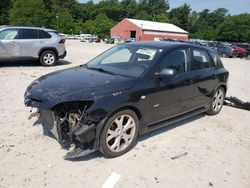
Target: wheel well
[[132, 108], [224, 87], [48, 49]]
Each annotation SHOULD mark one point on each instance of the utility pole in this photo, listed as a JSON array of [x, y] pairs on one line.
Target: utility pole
[[57, 20]]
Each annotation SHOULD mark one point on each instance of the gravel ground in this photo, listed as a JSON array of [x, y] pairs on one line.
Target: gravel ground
[[212, 151]]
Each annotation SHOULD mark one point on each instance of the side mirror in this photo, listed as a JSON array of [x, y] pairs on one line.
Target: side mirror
[[166, 73]]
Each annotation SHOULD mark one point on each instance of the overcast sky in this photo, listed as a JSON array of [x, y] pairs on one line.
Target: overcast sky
[[234, 6]]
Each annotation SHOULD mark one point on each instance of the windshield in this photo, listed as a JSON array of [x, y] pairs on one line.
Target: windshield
[[125, 60]]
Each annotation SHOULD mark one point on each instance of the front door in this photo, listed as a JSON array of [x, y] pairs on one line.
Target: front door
[[171, 96], [9, 44]]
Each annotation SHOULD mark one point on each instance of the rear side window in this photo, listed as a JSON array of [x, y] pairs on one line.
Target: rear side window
[[8, 34], [200, 60], [176, 59], [29, 34]]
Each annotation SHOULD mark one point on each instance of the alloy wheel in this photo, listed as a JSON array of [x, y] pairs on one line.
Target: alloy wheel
[[49, 58], [121, 133], [218, 100]]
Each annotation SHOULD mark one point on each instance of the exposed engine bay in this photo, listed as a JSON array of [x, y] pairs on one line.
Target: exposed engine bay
[[70, 125]]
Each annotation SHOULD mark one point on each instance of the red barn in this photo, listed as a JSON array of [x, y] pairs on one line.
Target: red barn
[[147, 30]]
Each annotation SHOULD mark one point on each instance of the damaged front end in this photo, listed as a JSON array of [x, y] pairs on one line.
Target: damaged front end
[[70, 125]]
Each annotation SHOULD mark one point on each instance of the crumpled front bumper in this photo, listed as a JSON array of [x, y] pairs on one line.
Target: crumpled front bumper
[[83, 138]]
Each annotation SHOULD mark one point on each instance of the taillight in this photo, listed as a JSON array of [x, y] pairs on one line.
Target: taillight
[[62, 41]]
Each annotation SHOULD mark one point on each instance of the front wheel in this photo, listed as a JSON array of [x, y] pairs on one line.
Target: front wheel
[[217, 102], [48, 58], [119, 134]]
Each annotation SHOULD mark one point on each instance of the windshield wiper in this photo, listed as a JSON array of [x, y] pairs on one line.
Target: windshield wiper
[[101, 70]]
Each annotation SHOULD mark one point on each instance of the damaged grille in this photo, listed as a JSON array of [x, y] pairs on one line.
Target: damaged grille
[[64, 119]]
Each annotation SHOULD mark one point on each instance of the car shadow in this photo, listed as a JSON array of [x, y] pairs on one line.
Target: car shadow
[[141, 138], [30, 63]]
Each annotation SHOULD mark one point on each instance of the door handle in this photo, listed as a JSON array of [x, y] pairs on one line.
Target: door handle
[[13, 43], [188, 82]]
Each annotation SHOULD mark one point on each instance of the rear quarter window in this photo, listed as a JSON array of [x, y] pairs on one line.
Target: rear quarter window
[[44, 35]]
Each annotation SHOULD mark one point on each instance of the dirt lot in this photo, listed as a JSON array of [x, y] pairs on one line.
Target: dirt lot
[[215, 150]]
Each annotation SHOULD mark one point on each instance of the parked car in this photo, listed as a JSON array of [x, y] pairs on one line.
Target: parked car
[[30, 43], [226, 51], [241, 51], [128, 90], [109, 40], [246, 47], [130, 40]]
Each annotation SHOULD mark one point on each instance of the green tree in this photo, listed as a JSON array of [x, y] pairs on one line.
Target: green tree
[[235, 28], [161, 18], [61, 19], [28, 12], [203, 25], [130, 7], [4, 8], [100, 26], [143, 15], [111, 8], [152, 8], [103, 24], [180, 16]]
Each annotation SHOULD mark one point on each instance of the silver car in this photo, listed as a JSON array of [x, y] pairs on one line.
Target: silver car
[[31, 43]]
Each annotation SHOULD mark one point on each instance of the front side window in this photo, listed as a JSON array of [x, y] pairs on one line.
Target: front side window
[[125, 60], [176, 59], [200, 60], [8, 34]]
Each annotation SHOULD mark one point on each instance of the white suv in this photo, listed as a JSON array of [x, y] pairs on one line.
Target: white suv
[[31, 43]]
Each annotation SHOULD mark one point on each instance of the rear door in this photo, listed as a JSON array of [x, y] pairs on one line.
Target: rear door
[[9, 44], [32, 40], [204, 76]]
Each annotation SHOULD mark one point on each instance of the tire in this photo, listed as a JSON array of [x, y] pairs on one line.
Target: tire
[[224, 55], [48, 58], [115, 140], [217, 101]]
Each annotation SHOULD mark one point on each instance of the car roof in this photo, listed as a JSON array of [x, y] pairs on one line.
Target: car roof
[[167, 44], [26, 27]]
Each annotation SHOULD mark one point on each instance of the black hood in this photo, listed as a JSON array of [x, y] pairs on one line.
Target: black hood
[[78, 83]]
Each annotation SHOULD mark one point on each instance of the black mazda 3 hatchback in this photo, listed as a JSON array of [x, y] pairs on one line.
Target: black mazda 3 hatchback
[[126, 91]]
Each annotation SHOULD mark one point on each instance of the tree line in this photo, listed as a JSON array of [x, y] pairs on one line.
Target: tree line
[[72, 17]]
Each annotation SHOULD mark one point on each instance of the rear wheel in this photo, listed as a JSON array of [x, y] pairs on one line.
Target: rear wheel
[[119, 134], [48, 58], [217, 102]]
